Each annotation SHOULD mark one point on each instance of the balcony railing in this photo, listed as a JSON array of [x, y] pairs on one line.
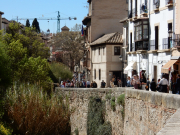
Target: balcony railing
[[134, 12], [143, 8], [142, 45], [130, 14], [156, 4], [132, 47], [165, 43], [152, 45], [169, 2]]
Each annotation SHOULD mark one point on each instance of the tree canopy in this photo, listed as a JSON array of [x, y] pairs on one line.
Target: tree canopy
[[35, 24], [27, 23], [26, 53], [71, 46]]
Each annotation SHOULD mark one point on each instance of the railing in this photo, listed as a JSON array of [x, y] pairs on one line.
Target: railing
[[152, 45], [130, 14], [143, 8], [169, 2], [132, 47], [165, 43], [134, 12], [156, 4], [143, 45]]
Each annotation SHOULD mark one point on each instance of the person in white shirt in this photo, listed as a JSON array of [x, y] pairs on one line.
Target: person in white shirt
[[88, 84], [163, 84]]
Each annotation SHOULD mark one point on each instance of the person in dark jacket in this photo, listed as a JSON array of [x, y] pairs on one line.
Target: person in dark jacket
[[178, 84], [153, 85]]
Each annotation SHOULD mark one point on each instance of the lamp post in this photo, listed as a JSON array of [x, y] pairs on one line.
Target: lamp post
[[121, 59]]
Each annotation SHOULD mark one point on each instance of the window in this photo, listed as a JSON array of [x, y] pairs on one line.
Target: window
[[99, 51], [99, 74], [156, 37], [103, 50], [94, 73], [94, 51], [117, 50], [131, 49]]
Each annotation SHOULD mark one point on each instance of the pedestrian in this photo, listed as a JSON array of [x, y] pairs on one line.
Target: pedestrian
[[153, 85], [178, 85], [88, 84], [163, 84], [103, 84], [157, 86], [147, 84], [128, 82], [94, 84], [72, 84], [91, 84], [135, 82], [119, 83]]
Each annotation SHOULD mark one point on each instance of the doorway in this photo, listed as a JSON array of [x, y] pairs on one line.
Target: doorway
[[118, 75]]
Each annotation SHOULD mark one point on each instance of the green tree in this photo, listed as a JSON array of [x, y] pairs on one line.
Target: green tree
[[27, 54], [5, 67], [27, 23], [35, 24]]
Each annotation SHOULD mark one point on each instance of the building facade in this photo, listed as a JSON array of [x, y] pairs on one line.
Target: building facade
[[149, 44], [102, 18]]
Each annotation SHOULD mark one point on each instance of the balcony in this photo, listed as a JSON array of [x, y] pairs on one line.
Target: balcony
[[152, 45], [156, 5], [141, 45], [143, 10], [132, 47], [134, 13], [165, 43], [169, 3]]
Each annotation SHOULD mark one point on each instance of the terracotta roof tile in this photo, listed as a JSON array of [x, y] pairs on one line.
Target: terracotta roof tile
[[109, 38]]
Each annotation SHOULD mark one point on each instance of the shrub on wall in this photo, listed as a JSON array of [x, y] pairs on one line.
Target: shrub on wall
[[95, 119], [121, 101], [4, 131], [113, 104]]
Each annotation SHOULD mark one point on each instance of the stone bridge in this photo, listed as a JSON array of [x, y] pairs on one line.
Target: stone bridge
[[146, 112]]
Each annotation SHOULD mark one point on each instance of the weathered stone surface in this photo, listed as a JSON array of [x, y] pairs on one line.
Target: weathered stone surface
[[79, 99]]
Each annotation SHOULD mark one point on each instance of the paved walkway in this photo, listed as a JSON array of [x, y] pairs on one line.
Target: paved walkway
[[173, 125]]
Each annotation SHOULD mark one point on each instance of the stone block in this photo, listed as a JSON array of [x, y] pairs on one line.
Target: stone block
[[169, 101], [176, 102]]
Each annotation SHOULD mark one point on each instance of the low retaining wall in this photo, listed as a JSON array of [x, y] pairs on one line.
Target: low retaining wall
[[79, 99], [146, 112]]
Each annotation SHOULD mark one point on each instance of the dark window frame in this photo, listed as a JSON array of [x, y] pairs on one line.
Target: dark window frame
[[99, 74], [103, 50], [95, 74], [118, 52]]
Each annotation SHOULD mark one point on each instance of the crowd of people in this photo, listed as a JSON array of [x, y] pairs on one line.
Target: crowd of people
[[161, 86]]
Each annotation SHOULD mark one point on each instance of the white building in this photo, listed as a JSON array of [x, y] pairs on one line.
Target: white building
[[146, 31]]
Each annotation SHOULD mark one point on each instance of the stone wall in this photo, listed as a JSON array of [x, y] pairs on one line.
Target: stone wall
[[146, 113], [79, 100]]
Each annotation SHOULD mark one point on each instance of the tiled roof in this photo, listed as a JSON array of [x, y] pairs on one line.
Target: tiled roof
[[109, 38]]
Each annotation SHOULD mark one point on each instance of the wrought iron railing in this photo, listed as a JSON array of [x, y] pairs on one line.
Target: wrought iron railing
[[143, 8], [134, 12], [156, 4], [169, 2], [165, 43], [152, 45]]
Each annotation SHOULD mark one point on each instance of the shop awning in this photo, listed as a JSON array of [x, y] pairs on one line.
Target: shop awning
[[165, 68], [131, 65]]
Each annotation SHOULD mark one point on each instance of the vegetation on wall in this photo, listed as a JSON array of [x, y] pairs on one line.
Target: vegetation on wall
[[96, 124], [113, 104], [76, 131], [121, 101]]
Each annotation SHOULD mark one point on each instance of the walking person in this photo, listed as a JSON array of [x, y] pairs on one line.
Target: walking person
[[163, 84], [178, 85], [135, 82], [128, 82], [119, 83], [153, 85]]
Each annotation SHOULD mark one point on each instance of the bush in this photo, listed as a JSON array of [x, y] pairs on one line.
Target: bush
[[108, 96], [76, 131], [59, 70], [95, 119], [121, 100], [4, 131], [113, 104], [32, 112]]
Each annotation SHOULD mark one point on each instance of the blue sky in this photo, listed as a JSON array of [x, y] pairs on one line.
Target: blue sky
[[46, 8]]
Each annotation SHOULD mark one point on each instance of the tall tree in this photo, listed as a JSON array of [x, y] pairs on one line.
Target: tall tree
[[70, 44], [27, 23], [35, 24]]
